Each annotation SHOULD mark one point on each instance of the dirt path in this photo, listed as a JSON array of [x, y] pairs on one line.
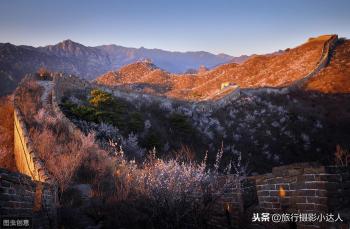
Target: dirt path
[[47, 85]]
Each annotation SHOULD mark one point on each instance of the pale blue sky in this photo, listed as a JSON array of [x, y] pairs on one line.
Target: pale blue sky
[[218, 26]]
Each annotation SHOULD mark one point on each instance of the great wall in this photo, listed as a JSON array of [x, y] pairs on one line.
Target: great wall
[[31, 193], [324, 59], [308, 188]]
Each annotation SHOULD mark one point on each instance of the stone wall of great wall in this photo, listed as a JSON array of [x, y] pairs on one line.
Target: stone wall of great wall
[[27, 160], [62, 85], [228, 98], [21, 197], [67, 83], [292, 189], [324, 59], [31, 193], [308, 187]]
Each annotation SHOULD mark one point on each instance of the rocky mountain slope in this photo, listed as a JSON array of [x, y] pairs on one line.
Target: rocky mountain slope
[[90, 62], [273, 70]]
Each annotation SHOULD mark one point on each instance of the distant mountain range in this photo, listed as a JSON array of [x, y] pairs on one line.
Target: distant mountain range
[[90, 62]]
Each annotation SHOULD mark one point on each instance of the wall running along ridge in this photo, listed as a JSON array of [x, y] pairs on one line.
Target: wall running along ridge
[[224, 98], [62, 85], [67, 84], [309, 187], [32, 193], [324, 59], [27, 160]]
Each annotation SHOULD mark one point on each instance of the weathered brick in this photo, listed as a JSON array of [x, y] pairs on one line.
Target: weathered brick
[[274, 193], [266, 205], [270, 199], [306, 192], [5, 183], [314, 170], [11, 191], [3, 190], [270, 187], [331, 177], [310, 177], [7, 197], [321, 208], [315, 184], [317, 200], [276, 205], [259, 187], [17, 196], [321, 193], [307, 226], [295, 171], [305, 206], [278, 180], [300, 199], [263, 193], [296, 186], [332, 186]]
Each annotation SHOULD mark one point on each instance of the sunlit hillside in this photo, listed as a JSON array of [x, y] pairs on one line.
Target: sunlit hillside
[[280, 69], [335, 78]]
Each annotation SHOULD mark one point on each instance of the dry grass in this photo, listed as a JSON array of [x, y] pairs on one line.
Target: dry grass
[[64, 153], [29, 99], [342, 156], [7, 159]]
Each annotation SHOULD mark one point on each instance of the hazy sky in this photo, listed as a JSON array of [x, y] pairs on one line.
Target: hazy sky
[[218, 26]]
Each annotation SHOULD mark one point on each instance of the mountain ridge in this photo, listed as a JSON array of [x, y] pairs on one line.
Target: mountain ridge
[[90, 62], [277, 69]]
